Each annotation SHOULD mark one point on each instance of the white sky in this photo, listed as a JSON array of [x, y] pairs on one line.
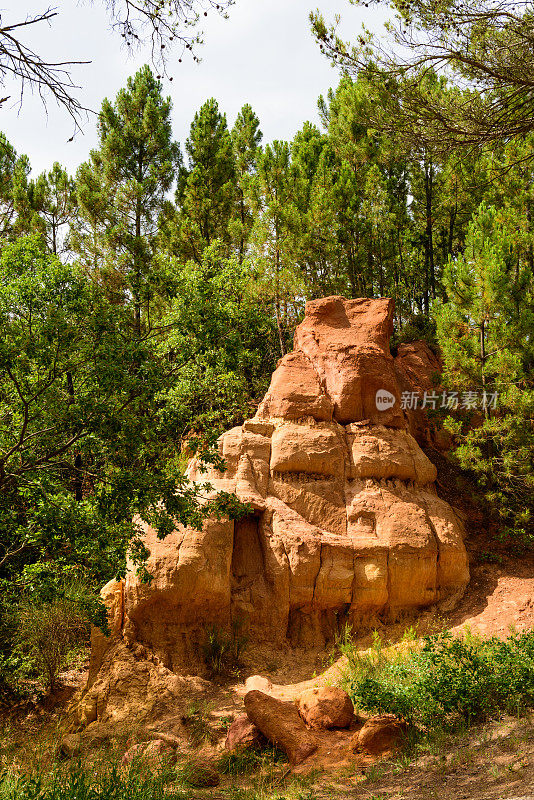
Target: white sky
[[264, 54]]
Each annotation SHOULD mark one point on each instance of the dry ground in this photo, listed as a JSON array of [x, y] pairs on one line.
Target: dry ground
[[493, 763]]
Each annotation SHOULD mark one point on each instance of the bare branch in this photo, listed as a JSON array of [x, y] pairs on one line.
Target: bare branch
[[160, 24], [11, 553], [48, 78]]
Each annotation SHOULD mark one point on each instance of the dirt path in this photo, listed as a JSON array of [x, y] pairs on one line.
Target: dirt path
[[496, 763]]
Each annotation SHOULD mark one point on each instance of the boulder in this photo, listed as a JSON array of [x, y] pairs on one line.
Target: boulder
[[326, 707], [281, 724], [70, 745], [243, 735], [380, 735], [133, 754], [258, 682]]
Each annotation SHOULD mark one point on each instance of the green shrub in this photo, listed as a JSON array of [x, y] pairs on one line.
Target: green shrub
[[12, 689], [46, 634], [215, 649], [197, 722], [418, 327], [448, 680]]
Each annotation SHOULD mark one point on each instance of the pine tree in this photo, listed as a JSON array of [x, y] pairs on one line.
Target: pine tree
[[246, 139], [276, 233], [317, 247], [8, 158], [306, 149], [121, 190], [206, 187], [358, 151], [87, 234], [485, 333], [15, 211], [53, 197]]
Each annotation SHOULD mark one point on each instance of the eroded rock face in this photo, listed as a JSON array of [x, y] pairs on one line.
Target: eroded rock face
[[346, 522], [418, 369]]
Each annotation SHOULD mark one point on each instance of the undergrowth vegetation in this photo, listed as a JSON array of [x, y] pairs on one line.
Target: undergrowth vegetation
[[84, 784], [83, 781], [443, 681], [221, 651], [440, 684], [242, 762]]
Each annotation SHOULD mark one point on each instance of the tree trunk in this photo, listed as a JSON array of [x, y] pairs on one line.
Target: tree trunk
[[242, 214], [78, 463], [137, 260], [483, 363], [430, 278], [277, 305]]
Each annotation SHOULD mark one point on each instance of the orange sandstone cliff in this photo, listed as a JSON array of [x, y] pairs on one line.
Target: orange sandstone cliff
[[346, 522]]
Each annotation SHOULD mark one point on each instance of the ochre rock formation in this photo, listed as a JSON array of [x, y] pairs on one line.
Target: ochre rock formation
[[345, 521], [380, 735]]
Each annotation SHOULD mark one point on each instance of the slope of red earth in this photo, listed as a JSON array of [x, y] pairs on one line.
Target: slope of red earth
[[500, 595]]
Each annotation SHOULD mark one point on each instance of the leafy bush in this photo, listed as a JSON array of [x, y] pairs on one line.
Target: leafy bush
[[39, 634], [92, 418], [47, 633], [447, 680]]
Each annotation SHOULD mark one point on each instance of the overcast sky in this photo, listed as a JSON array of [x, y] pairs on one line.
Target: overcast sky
[[263, 54]]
